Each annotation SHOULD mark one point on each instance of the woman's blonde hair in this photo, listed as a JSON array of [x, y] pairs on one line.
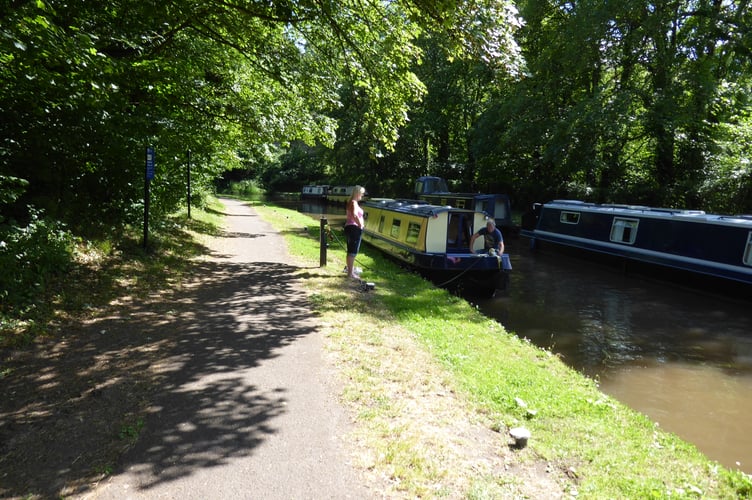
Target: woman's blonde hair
[[356, 190]]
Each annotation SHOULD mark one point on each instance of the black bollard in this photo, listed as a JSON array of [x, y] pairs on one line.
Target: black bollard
[[323, 242]]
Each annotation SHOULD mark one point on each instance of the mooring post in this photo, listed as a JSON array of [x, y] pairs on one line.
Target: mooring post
[[323, 242]]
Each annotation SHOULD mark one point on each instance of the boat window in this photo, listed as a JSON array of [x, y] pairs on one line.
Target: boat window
[[396, 223], [500, 211], [748, 251], [381, 224], [453, 230], [569, 217], [459, 202], [413, 230], [624, 230]]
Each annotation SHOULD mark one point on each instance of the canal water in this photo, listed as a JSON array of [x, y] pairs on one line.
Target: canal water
[[681, 356]]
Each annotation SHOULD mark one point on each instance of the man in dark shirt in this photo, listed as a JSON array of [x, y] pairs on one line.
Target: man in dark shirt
[[492, 238]]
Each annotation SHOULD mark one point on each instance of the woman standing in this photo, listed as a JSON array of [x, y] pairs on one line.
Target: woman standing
[[354, 228]]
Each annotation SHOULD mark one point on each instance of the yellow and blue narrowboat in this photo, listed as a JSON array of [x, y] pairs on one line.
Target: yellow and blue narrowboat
[[435, 241]]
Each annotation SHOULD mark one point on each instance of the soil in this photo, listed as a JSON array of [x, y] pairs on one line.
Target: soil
[[84, 412]]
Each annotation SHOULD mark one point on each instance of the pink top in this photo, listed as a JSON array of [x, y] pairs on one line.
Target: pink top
[[354, 214]]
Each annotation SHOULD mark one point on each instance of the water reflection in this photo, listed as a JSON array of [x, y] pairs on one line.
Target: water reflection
[[317, 207], [680, 356]]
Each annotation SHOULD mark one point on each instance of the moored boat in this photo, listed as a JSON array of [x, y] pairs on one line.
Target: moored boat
[[690, 241], [434, 190], [318, 192], [435, 241], [339, 194]]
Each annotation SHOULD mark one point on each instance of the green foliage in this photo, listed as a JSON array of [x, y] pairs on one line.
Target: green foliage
[[614, 101], [740, 482], [85, 88], [29, 257], [11, 188], [622, 102], [131, 429], [299, 165], [248, 187]]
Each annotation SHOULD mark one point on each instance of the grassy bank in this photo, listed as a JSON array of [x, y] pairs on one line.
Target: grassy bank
[[436, 386], [101, 271]]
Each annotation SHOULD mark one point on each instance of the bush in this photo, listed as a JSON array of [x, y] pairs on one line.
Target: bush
[[29, 257], [248, 187]]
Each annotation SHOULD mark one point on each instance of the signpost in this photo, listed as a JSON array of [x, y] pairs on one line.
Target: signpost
[[149, 175]]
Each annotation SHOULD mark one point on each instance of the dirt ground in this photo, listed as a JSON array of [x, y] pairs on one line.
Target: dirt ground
[[215, 389]]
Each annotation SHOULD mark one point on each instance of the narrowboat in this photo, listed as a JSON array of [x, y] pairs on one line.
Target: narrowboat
[[316, 192], [435, 241], [692, 242], [339, 194], [434, 190]]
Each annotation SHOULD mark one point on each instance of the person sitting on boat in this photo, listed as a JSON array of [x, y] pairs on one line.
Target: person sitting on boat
[[492, 238], [354, 228]]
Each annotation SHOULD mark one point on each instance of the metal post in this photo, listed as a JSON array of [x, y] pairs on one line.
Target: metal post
[[323, 242], [147, 181], [188, 175]]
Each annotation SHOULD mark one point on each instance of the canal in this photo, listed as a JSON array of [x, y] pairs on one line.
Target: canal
[[681, 356]]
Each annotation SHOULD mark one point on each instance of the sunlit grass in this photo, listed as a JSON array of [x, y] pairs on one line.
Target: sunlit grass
[[596, 446]]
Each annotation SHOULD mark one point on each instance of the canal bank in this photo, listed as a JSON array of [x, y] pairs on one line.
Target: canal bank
[[580, 435], [680, 355]]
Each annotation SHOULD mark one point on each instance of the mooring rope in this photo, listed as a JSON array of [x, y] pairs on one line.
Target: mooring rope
[[460, 274]]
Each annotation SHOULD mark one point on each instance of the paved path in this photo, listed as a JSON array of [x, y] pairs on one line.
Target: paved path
[[247, 408]]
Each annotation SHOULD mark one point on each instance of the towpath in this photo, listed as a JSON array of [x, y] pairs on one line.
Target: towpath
[[246, 407]]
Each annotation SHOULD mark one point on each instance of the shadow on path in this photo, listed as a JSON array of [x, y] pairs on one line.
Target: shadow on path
[[165, 381], [210, 410]]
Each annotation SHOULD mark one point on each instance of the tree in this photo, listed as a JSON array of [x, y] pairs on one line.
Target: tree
[[86, 87], [621, 99], [459, 63]]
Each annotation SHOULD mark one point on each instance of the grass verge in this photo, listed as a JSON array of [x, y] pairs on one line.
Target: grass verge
[[436, 386]]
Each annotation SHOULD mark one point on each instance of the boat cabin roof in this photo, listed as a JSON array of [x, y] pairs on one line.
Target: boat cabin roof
[[636, 210], [414, 207]]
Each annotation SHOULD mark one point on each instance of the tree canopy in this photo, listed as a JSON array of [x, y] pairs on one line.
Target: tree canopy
[[86, 87], [627, 100]]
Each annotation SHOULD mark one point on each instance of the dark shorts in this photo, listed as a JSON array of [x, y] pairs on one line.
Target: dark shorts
[[353, 234]]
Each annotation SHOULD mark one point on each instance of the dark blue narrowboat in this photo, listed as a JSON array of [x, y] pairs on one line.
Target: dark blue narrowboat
[[689, 241], [435, 241], [434, 190]]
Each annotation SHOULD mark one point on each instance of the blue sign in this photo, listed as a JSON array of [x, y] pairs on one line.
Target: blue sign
[[149, 164]]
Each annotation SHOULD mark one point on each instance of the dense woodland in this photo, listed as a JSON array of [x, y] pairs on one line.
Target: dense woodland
[[611, 101]]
